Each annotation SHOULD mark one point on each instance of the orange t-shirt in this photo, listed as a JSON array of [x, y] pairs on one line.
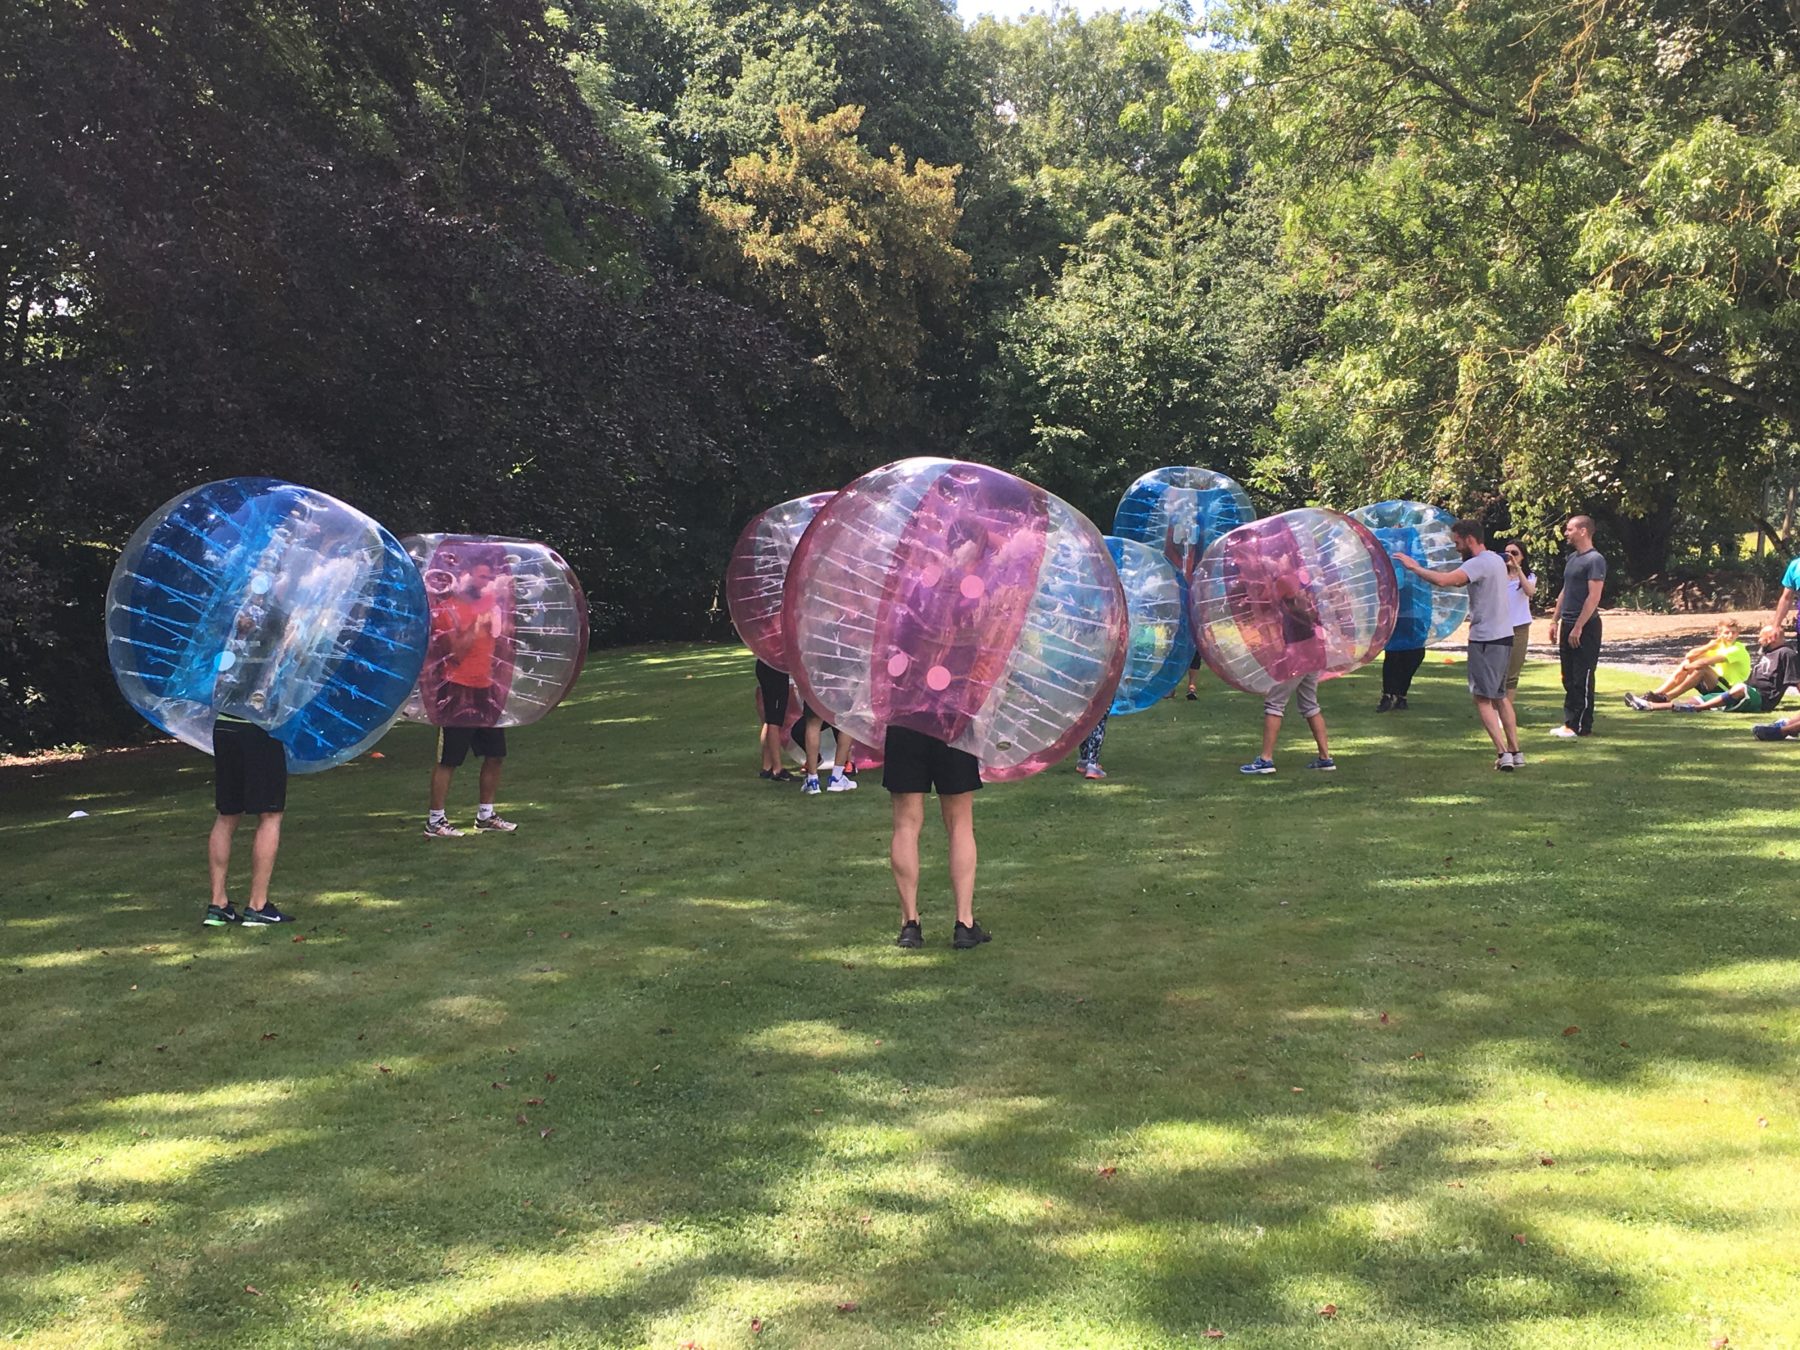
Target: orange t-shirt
[[462, 620]]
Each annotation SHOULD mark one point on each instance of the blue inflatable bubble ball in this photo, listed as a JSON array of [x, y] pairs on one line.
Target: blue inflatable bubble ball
[[1180, 511], [1427, 613], [270, 602], [1158, 642]]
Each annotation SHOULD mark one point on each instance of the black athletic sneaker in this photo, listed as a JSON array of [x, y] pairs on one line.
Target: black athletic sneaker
[[910, 936], [1386, 704], [221, 916], [1399, 702], [784, 777], [268, 914], [765, 773], [971, 935]]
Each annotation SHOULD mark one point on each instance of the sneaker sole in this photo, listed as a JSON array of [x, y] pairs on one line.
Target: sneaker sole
[[218, 923]]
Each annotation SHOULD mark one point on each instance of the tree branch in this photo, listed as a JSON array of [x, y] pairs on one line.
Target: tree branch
[[1682, 373]]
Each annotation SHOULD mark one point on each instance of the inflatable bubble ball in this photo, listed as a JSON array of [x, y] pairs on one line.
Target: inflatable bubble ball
[[270, 602], [959, 601], [1180, 511], [509, 630], [1307, 592], [1427, 613], [758, 567], [1159, 644]]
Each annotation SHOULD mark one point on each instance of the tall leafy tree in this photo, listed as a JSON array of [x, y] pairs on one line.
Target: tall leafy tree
[[1555, 241], [854, 250]]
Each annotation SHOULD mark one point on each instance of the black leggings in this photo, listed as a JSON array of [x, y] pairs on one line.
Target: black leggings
[[1398, 669]]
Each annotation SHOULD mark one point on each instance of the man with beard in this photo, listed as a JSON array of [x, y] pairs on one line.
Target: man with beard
[[1490, 635]]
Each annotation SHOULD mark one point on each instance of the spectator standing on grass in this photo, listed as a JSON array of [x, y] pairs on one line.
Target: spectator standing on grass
[[1575, 627], [1790, 590], [1490, 634]]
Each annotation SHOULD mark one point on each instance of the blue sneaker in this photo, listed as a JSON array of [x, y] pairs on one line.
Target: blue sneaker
[[267, 915], [1323, 763], [811, 786], [1258, 765]]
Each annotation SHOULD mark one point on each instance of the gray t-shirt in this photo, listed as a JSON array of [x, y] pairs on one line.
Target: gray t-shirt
[[1577, 572], [1490, 617]]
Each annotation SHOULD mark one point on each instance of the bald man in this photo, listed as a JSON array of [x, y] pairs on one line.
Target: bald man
[[1575, 629]]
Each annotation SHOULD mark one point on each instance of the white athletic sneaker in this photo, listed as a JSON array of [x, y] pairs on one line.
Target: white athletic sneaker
[[1564, 733], [1518, 759], [839, 783]]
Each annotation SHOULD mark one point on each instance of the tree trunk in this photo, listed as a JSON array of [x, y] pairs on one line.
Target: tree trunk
[[1645, 541]]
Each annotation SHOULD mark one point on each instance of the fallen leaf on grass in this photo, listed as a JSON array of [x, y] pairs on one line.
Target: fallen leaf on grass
[[549, 1078], [1109, 1171], [269, 1035], [1384, 1019], [1214, 1334], [1761, 1121], [1329, 1310], [848, 1307], [546, 1133], [520, 1119], [298, 937], [1719, 1342], [384, 1068], [1417, 1054], [1519, 1238], [1546, 1161], [1571, 1031], [252, 1289], [1296, 1089], [534, 1101], [756, 1326], [1625, 1045]]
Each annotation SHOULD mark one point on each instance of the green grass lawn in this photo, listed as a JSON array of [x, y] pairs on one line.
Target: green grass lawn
[[1476, 1059]]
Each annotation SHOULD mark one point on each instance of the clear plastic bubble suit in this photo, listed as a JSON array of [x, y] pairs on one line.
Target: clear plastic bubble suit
[[1427, 613], [270, 602], [1302, 593], [509, 630], [961, 602], [758, 567], [1180, 511], [1159, 644]]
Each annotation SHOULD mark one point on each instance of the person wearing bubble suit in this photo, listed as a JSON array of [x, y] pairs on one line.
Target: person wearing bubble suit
[[1159, 646], [1426, 614], [966, 620], [274, 627], [754, 576], [1180, 510], [1284, 601], [1490, 634], [509, 633]]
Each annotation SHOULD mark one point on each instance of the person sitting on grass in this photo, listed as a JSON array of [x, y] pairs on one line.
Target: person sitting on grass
[[1711, 667], [1775, 668]]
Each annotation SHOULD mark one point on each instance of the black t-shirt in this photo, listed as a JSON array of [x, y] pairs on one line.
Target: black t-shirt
[[1773, 671]]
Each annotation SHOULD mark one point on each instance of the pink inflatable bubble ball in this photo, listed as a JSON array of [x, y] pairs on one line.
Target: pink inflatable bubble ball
[[758, 567], [961, 602], [1302, 593], [509, 630]]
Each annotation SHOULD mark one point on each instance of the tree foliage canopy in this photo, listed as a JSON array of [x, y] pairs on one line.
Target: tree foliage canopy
[[616, 273]]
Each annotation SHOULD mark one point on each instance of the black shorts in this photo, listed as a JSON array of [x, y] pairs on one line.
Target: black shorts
[[915, 762], [470, 707], [774, 686], [454, 744], [249, 770]]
